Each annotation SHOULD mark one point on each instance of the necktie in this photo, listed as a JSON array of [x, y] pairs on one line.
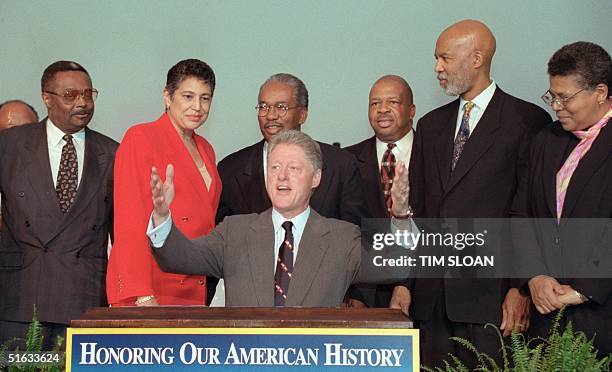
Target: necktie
[[67, 177], [463, 134], [284, 266], [387, 172], [587, 137]]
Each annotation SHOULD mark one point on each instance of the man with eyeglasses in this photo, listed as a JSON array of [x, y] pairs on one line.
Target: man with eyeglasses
[[283, 104], [56, 180]]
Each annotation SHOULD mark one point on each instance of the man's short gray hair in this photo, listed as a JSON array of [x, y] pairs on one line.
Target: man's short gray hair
[[300, 93], [295, 137]]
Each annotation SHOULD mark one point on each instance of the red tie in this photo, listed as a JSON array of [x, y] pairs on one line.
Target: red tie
[[284, 266], [387, 172]]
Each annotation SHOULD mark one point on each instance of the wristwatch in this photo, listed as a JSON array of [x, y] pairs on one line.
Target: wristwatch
[[582, 297], [409, 213]]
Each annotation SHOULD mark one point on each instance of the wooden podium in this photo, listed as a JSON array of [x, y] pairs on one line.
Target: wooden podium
[[243, 317], [241, 339]]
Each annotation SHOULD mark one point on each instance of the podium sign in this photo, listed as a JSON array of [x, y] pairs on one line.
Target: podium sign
[[241, 340], [241, 349]]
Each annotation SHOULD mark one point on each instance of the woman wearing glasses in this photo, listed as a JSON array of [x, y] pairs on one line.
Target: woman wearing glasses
[[133, 276], [569, 191]]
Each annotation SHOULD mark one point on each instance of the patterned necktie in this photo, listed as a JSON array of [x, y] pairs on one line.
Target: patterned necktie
[[284, 266], [387, 172], [67, 177], [463, 134], [564, 175]]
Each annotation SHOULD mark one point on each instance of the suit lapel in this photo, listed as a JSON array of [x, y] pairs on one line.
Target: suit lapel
[[368, 163], [482, 138], [180, 155], [39, 175], [445, 142], [311, 251], [556, 149], [260, 248], [94, 164], [588, 165], [319, 195], [252, 183]]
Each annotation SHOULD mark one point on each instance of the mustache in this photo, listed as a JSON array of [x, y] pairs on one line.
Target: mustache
[[81, 112], [384, 117]]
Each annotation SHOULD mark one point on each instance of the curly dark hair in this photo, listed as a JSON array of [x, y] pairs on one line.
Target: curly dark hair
[[589, 61], [59, 66], [187, 68]]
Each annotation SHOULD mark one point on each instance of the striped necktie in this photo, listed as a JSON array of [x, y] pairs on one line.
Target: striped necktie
[[387, 172], [284, 266]]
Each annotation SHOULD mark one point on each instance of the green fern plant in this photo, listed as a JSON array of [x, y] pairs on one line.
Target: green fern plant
[[33, 343], [562, 351]]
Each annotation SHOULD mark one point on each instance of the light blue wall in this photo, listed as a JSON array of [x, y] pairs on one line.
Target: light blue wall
[[338, 48]]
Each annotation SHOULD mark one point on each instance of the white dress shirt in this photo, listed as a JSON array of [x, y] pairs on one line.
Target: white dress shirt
[[401, 151], [159, 234], [55, 143], [481, 102]]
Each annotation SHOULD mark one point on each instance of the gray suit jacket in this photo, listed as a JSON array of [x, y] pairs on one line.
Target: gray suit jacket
[[241, 250], [54, 260]]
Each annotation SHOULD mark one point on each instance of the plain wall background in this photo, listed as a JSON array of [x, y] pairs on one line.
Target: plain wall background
[[339, 48]]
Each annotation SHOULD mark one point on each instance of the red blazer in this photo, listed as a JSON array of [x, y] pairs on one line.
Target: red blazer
[[132, 270]]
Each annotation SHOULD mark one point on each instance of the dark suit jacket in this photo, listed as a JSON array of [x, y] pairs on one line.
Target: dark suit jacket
[[482, 185], [56, 261], [367, 161], [241, 250], [573, 241], [244, 190]]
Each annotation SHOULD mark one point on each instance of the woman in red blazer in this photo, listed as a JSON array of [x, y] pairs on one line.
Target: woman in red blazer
[[133, 276]]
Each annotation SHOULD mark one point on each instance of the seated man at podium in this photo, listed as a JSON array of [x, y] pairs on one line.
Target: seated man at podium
[[286, 256]]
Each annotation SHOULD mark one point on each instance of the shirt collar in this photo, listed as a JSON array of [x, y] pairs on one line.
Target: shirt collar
[[55, 135], [482, 100], [403, 144], [299, 221]]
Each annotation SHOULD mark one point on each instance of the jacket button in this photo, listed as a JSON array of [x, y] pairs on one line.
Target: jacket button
[[78, 254], [21, 194], [93, 227], [27, 223], [46, 250], [201, 282], [182, 281]]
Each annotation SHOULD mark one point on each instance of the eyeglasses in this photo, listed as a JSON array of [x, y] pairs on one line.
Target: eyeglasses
[[71, 95], [281, 109], [550, 100]]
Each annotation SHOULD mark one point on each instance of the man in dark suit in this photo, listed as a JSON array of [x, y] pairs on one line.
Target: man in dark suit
[[288, 255], [391, 110], [56, 179], [283, 104], [464, 164]]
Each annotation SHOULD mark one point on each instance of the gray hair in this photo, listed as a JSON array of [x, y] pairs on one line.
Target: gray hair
[[295, 137], [300, 93]]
